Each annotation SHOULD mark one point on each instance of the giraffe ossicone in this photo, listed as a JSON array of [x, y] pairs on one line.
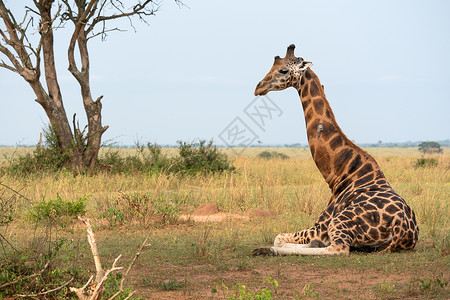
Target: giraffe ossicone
[[364, 211]]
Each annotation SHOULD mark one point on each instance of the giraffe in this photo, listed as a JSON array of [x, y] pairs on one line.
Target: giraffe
[[363, 211]]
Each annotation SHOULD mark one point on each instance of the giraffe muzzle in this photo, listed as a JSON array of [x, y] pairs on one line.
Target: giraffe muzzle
[[260, 90]]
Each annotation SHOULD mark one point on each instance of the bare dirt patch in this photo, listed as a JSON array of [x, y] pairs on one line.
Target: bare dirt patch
[[258, 213], [295, 282]]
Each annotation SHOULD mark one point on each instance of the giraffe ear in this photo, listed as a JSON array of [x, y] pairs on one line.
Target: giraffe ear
[[305, 65]]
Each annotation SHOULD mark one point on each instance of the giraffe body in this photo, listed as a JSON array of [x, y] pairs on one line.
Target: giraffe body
[[363, 211]]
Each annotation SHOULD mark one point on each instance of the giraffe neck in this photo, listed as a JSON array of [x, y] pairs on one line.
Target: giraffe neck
[[338, 159]]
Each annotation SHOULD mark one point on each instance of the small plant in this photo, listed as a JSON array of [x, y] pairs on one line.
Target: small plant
[[385, 289], [272, 154], [425, 284], [172, 284], [309, 292], [145, 209], [437, 282], [240, 291], [166, 210], [112, 286], [203, 244]]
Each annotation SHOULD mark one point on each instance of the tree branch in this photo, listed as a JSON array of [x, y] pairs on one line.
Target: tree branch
[[128, 270], [1, 235], [46, 292], [103, 33], [12, 28], [138, 9], [17, 66], [101, 276], [81, 23], [16, 192], [4, 65], [26, 277], [94, 249]]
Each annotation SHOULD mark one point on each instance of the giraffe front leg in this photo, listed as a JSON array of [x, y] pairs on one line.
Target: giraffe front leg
[[289, 242], [314, 237]]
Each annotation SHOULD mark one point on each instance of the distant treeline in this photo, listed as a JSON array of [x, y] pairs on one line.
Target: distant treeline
[[408, 144]]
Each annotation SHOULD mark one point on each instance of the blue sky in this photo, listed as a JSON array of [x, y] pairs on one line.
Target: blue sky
[[384, 64]]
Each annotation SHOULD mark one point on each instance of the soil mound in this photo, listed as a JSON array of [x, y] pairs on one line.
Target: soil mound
[[209, 212]]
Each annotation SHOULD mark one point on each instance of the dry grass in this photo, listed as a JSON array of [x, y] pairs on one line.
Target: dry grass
[[285, 186], [200, 255]]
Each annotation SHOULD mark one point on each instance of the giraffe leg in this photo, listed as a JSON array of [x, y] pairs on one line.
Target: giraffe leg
[[300, 249], [270, 250], [340, 231], [313, 237], [283, 246], [399, 234]]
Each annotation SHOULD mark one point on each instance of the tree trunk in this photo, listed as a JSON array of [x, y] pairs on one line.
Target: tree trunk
[[82, 148], [88, 145], [52, 102]]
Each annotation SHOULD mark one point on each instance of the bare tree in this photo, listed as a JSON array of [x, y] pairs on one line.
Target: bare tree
[[23, 56]]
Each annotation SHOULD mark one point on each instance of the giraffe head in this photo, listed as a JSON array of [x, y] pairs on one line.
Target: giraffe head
[[285, 72]]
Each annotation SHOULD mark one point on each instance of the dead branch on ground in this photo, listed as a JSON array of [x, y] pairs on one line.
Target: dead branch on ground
[[93, 289]]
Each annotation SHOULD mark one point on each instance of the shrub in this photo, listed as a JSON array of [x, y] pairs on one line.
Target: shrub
[[56, 212], [425, 162], [272, 154], [114, 163], [201, 157], [144, 208], [45, 158], [192, 158]]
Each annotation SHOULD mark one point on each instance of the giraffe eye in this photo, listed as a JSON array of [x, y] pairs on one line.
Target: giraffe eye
[[283, 71]]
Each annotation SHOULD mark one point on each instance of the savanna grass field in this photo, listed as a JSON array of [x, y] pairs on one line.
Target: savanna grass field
[[184, 259]]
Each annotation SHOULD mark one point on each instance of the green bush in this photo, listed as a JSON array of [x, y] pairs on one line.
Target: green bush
[[45, 158], [148, 159], [202, 157], [114, 163], [272, 154], [192, 158], [56, 212], [426, 163], [49, 216]]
